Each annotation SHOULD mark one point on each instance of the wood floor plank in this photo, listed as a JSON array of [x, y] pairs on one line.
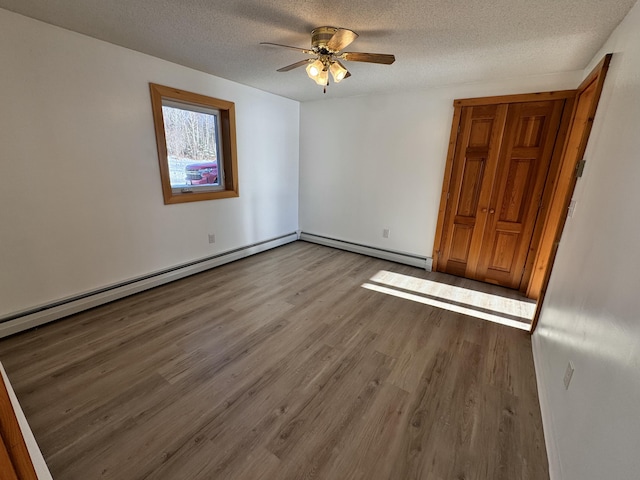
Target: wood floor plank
[[285, 366], [369, 446]]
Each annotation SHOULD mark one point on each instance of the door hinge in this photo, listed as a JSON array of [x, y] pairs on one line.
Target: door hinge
[[447, 195], [458, 128], [580, 167]]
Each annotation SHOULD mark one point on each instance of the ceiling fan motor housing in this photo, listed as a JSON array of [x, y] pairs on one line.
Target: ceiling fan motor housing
[[320, 37]]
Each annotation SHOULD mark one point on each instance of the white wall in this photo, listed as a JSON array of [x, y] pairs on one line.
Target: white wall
[[81, 204], [374, 162], [591, 315]]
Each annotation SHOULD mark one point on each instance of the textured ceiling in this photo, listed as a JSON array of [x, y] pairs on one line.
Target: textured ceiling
[[436, 42]]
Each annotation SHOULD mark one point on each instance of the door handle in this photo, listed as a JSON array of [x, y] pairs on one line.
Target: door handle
[[484, 210], [492, 211]]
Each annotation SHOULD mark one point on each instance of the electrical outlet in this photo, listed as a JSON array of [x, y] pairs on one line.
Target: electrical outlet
[[385, 233], [212, 238], [568, 375]]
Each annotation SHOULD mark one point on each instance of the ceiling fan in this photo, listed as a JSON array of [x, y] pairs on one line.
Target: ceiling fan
[[327, 44]]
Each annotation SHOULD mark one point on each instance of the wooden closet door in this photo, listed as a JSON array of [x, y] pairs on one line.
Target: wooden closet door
[[527, 147], [474, 167]]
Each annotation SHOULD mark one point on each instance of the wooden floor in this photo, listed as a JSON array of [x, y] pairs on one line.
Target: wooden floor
[[281, 366]]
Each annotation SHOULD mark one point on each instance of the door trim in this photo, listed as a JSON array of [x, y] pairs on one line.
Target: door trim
[[448, 168], [517, 98], [572, 152]]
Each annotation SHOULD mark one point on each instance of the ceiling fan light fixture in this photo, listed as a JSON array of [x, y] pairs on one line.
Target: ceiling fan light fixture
[[314, 69], [338, 71]]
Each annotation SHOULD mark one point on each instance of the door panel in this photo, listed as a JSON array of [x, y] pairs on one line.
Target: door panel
[[515, 194], [460, 242], [476, 159], [503, 250], [523, 165], [472, 174]]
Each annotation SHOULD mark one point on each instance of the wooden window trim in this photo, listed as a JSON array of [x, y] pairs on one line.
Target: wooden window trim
[[227, 140]]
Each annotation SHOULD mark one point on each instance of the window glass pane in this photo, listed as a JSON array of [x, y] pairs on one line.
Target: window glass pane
[[192, 146]]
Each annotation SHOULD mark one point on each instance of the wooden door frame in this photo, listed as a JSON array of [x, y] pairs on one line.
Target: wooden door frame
[[563, 188]]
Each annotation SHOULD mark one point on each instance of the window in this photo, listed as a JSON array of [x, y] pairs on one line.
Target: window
[[196, 140]]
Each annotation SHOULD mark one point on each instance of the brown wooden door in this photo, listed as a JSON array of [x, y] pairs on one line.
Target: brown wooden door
[[476, 160], [529, 138], [499, 171]]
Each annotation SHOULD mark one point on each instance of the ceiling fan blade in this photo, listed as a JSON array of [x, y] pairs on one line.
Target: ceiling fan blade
[[294, 65], [341, 39], [303, 50], [382, 58]]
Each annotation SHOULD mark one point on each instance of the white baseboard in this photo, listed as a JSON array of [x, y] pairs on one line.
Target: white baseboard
[[398, 257], [555, 470], [34, 317]]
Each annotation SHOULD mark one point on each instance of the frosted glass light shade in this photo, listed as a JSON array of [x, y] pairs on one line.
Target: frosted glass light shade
[[314, 69], [322, 78], [338, 72]]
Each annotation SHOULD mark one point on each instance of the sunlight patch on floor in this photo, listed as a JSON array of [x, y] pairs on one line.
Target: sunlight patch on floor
[[486, 306]]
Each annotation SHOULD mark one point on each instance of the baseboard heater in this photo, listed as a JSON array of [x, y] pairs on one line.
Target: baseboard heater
[[42, 314], [399, 257]]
